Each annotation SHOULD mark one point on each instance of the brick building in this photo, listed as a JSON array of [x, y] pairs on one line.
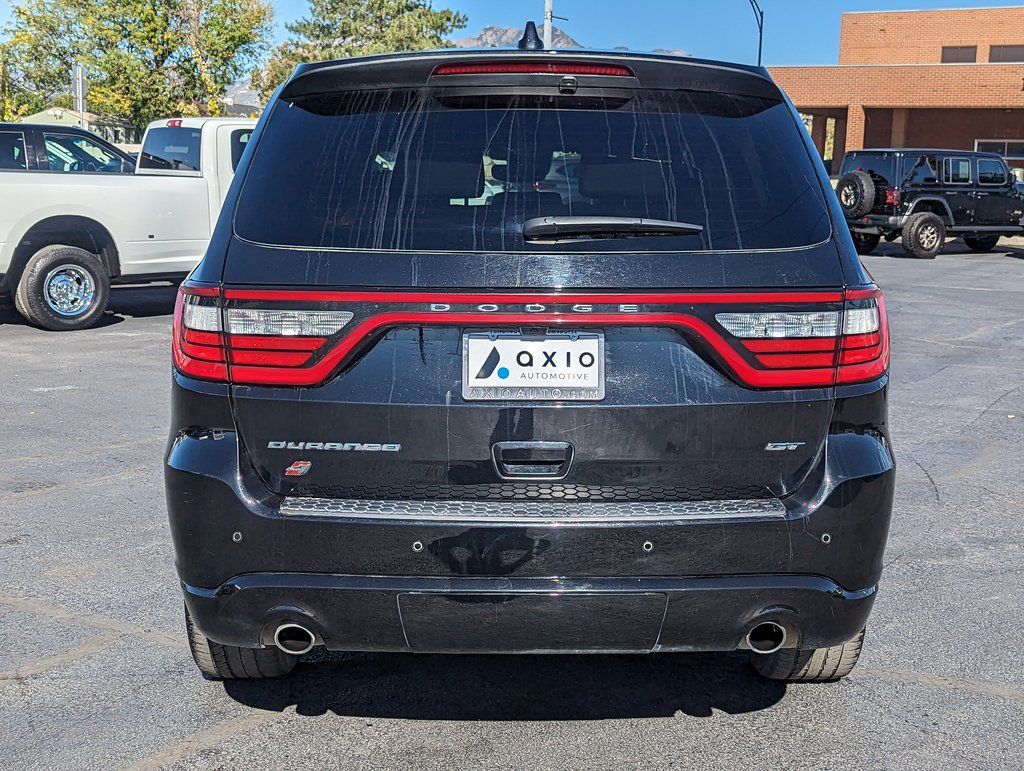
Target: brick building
[[945, 79]]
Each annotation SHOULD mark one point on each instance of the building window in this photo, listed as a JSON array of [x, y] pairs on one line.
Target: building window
[[959, 54], [1006, 53]]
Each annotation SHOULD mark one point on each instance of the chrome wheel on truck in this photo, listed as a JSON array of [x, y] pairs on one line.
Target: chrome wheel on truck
[[63, 288], [69, 291]]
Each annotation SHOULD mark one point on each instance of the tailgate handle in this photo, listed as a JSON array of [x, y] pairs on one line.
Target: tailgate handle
[[532, 460]]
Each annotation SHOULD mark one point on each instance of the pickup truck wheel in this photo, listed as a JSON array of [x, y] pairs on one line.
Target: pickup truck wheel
[[866, 243], [856, 193], [923, 235], [63, 288], [982, 243], [810, 666], [226, 662]]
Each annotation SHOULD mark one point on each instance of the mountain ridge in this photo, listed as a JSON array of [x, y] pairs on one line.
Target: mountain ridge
[[494, 36]]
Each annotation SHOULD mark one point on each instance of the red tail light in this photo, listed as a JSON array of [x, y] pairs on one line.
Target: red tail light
[[533, 68], [805, 339], [198, 345], [208, 338], [892, 196], [853, 343]]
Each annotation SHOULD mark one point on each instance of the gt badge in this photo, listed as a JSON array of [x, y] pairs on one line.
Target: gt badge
[[783, 446], [298, 468]]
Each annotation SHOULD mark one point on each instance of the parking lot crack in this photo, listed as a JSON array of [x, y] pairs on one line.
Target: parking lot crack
[[88, 648]]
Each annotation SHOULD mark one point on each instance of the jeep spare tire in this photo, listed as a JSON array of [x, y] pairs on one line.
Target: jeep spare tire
[[856, 193]]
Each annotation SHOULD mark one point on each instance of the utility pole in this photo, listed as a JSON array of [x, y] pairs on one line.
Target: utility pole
[[549, 15], [759, 16]]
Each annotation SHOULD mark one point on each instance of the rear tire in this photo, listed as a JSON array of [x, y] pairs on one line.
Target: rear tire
[[818, 665], [856, 193], [866, 243], [923, 235], [226, 662], [982, 243], [63, 288]]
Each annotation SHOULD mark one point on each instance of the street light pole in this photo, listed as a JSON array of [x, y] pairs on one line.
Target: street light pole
[[759, 16], [549, 15]]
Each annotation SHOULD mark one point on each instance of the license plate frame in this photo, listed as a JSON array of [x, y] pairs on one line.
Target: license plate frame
[[561, 341]]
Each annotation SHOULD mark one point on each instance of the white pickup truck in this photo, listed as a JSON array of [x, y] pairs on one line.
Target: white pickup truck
[[74, 216]]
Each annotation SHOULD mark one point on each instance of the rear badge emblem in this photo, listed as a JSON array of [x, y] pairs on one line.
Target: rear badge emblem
[[783, 446], [298, 468]]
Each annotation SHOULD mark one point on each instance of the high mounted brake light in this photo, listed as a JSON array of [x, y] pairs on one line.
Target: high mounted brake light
[[533, 68], [301, 337]]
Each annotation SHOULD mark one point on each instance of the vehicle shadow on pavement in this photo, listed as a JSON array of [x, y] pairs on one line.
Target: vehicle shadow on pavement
[[956, 248], [125, 302], [472, 687], [142, 301]]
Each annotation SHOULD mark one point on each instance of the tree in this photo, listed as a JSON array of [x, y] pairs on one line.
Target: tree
[[16, 99], [144, 59], [335, 29]]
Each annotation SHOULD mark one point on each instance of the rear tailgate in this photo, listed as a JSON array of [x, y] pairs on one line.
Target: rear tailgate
[[379, 255]]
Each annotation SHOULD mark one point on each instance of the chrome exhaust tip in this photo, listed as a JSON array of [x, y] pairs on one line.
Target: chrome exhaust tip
[[294, 639], [767, 637]]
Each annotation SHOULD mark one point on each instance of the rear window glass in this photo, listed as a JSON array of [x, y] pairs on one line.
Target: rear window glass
[[415, 170], [239, 141], [881, 166], [171, 148]]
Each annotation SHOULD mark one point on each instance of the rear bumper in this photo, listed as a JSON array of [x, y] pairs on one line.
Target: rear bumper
[[529, 615], [389, 576]]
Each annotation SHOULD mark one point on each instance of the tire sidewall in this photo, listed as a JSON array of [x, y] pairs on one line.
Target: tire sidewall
[[983, 244], [865, 243], [31, 302], [915, 231]]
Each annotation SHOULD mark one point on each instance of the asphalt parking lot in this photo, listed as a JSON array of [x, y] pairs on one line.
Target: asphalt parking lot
[[94, 671]]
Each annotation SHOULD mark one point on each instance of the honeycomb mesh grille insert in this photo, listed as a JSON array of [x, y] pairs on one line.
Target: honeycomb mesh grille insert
[[533, 511], [529, 491]]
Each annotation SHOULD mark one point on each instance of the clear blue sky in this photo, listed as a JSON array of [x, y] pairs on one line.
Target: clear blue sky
[[796, 31]]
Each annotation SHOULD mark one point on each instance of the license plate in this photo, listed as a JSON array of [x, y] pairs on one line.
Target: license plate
[[558, 366]]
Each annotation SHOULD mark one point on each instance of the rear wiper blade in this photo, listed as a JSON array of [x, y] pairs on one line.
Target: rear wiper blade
[[570, 228]]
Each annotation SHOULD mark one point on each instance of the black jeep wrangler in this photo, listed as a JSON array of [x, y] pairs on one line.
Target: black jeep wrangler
[[925, 196]]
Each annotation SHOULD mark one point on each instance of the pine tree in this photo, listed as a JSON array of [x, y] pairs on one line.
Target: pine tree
[[335, 29]]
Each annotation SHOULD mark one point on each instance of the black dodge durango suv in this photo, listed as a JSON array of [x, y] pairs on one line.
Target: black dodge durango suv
[[423, 402]]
